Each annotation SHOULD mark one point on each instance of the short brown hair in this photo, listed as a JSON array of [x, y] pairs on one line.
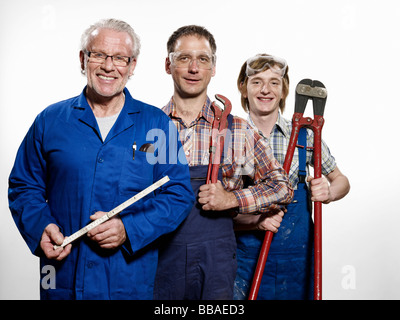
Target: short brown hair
[[191, 30]]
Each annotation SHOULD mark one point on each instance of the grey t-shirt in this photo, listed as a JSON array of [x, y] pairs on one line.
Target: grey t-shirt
[[105, 124]]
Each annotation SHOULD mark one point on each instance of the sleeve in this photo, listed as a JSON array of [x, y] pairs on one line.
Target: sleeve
[[328, 162], [27, 191], [271, 189], [172, 202], [253, 158]]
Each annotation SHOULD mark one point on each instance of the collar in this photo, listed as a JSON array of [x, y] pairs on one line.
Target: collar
[[130, 104], [281, 124], [205, 113], [86, 115]]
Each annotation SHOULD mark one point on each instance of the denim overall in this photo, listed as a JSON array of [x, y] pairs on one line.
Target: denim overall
[[288, 273], [198, 260]]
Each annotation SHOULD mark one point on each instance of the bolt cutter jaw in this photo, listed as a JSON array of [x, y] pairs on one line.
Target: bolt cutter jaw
[[314, 90], [310, 89]]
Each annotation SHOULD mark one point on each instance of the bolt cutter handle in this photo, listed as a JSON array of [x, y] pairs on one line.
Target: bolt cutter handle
[[306, 89]]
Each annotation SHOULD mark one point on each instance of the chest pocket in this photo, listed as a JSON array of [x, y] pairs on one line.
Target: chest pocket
[[136, 172]]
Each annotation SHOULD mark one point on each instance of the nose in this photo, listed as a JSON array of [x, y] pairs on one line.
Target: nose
[[193, 66], [265, 89], [108, 63]]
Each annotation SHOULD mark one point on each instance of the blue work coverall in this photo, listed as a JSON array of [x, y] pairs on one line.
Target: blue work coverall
[[288, 273], [198, 260], [64, 172]]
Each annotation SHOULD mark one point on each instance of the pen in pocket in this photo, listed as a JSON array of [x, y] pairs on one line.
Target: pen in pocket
[[133, 150]]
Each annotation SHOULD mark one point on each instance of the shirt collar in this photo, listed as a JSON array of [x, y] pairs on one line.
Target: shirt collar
[[280, 124], [206, 112], [283, 125]]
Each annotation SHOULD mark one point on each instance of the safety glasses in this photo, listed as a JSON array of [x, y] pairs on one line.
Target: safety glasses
[[261, 62]]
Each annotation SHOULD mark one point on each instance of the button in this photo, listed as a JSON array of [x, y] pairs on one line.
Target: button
[[90, 264], [100, 160]]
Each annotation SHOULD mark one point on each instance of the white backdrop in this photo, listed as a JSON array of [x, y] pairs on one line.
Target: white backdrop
[[351, 46]]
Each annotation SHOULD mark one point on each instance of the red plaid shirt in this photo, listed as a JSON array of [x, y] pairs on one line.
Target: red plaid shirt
[[246, 154]]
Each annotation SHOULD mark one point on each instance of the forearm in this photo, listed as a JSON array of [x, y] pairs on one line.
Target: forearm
[[245, 222], [27, 194], [264, 222], [339, 188], [339, 185], [271, 192], [269, 186]]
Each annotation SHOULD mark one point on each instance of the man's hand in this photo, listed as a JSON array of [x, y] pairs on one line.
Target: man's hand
[[213, 196], [329, 188], [320, 190], [52, 236], [268, 222], [110, 234]]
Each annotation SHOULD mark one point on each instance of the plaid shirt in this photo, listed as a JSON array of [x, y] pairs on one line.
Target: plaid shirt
[[279, 141], [246, 154]]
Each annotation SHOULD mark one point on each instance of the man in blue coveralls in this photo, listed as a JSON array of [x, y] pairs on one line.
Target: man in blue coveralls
[[81, 158]]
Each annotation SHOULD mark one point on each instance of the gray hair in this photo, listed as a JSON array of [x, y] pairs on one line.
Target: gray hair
[[113, 24]]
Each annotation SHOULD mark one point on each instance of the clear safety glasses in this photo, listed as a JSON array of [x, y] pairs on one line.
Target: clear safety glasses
[[183, 59], [259, 62]]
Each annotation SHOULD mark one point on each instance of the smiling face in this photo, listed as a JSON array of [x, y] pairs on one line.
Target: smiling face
[[105, 80], [191, 81], [264, 92]]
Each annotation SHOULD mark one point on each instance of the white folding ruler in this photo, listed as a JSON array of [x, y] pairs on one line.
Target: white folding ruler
[[113, 212]]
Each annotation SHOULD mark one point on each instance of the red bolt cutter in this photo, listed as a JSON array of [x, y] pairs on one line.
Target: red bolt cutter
[[315, 90], [217, 137]]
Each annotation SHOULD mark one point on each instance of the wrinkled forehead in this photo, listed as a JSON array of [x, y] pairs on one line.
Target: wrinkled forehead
[[110, 39], [193, 43]]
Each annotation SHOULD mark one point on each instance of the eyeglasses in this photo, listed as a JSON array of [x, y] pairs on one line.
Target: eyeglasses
[[183, 59], [275, 64], [118, 61]]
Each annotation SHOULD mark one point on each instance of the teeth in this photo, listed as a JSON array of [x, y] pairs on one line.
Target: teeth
[[105, 78]]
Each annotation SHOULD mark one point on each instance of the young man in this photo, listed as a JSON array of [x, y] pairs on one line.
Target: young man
[[79, 161], [264, 85], [198, 261]]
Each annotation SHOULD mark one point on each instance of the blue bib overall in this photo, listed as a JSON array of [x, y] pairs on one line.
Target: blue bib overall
[[198, 260], [288, 273]]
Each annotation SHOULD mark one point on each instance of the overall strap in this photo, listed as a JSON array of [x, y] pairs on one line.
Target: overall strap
[[302, 141]]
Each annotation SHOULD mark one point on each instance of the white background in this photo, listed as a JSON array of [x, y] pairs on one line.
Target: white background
[[351, 46]]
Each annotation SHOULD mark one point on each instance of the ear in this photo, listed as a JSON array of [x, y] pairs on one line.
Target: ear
[[243, 90], [132, 67], [82, 60], [214, 71], [167, 66]]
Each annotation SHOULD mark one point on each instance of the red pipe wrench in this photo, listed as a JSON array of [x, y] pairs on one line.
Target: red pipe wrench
[[217, 137], [305, 90]]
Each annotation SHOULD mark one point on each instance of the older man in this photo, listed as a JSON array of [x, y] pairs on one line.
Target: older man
[[82, 157]]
